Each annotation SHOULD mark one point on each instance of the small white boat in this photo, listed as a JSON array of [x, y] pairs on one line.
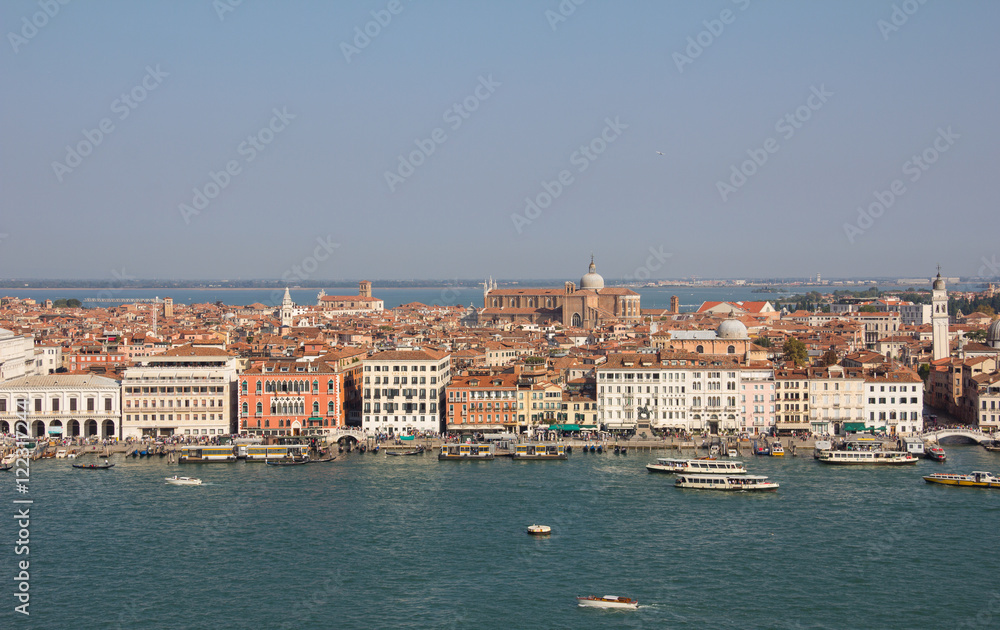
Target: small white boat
[[183, 481], [61, 454], [539, 530], [732, 453], [608, 601]]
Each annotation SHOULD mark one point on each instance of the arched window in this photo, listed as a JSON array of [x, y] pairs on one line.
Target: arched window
[[700, 349], [244, 387], [260, 408], [258, 387], [315, 387], [315, 407], [246, 408], [731, 350], [329, 385], [577, 320], [329, 407]]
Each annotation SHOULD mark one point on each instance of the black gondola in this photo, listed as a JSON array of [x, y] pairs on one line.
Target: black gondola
[[280, 463], [7, 467], [600, 449], [321, 461], [94, 466]]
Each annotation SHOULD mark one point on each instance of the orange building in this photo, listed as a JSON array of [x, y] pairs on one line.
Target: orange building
[[482, 403]]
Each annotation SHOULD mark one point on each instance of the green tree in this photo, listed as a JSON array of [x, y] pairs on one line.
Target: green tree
[[924, 370], [795, 351], [986, 309], [763, 342], [976, 335], [868, 308], [73, 303]]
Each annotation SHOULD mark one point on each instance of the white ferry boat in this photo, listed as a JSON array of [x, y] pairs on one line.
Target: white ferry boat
[[870, 458], [732, 483], [715, 466], [206, 454], [451, 452]]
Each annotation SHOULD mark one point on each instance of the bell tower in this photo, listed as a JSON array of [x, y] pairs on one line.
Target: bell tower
[[939, 317]]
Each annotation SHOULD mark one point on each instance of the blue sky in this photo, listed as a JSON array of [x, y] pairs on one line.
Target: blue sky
[[621, 78]]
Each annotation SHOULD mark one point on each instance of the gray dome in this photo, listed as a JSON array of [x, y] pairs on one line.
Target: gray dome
[[731, 329], [993, 334], [939, 283], [592, 280]]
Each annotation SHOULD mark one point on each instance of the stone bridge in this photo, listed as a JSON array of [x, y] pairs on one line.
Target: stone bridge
[[972, 434]]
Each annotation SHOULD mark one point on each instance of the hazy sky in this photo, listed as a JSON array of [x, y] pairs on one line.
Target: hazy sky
[[116, 113]]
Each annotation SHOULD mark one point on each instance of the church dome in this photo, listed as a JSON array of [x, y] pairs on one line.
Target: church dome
[[939, 283], [731, 329], [993, 334], [592, 280]]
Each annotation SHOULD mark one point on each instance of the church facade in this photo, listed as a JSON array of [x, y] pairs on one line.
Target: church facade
[[590, 306]]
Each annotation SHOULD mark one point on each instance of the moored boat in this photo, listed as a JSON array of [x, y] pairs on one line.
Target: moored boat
[[732, 483], [94, 466], [459, 452], [417, 451], [936, 453], [732, 453], [539, 530], [61, 454], [777, 450], [539, 451], [666, 465], [608, 601], [975, 479], [183, 481], [992, 446], [207, 454]]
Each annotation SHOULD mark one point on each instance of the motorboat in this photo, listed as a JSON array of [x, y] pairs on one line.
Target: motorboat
[[539, 530], [732, 483], [992, 446], [183, 481], [936, 453], [608, 601], [710, 466], [777, 450], [732, 453], [761, 450], [61, 454], [975, 479]]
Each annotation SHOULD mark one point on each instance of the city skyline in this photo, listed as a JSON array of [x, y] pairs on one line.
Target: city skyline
[[391, 140]]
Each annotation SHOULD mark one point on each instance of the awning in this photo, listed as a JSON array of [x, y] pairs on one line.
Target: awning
[[564, 427], [55, 431], [855, 426]]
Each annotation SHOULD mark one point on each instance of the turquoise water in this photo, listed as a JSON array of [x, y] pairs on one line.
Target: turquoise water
[[371, 541]]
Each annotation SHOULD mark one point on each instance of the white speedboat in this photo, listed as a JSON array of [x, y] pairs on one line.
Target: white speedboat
[[732, 453], [733, 483], [608, 601], [61, 454], [183, 481]]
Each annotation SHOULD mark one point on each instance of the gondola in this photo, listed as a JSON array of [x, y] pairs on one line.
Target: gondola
[[293, 463], [94, 466], [7, 467], [321, 461], [416, 451]]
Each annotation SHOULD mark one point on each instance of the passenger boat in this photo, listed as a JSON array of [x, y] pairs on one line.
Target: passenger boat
[[936, 453], [821, 445], [458, 452], [94, 466], [975, 479], [207, 454], [777, 450], [539, 530], [270, 452], [608, 601], [733, 483], [183, 481], [871, 458], [539, 451], [665, 465]]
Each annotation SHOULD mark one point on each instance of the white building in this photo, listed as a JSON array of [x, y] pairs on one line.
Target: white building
[[914, 314], [836, 398], [404, 391], [62, 405], [677, 390], [939, 319], [185, 391], [894, 401], [48, 359], [17, 355]]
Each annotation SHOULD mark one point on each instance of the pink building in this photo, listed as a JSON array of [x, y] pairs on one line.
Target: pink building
[[757, 400]]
